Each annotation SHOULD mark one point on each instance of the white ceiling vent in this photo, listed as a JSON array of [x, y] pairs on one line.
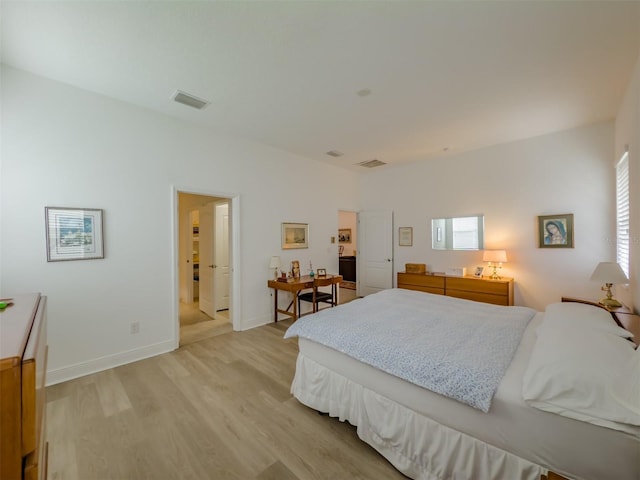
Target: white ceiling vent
[[371, 163], [335, 153], [189, 100]]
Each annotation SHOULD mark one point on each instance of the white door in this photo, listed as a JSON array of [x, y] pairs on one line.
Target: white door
[[206, 260], [221, 271], [375, 251]]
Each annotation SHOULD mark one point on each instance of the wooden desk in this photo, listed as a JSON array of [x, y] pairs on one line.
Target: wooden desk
[[294, 286]]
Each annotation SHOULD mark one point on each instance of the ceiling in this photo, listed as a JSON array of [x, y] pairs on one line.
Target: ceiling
[[443, 77]]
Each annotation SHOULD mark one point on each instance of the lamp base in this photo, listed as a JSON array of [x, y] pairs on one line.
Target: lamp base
[[494, 275], [610, 303]]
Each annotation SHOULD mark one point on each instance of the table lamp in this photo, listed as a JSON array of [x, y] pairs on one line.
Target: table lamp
[[495, 258], [275, 264], [609, 273]]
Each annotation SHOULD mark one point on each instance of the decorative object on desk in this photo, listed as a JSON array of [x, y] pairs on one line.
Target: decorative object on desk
[[478, 272], [322, 272], [495, 258], [73, 233], [415, 268], [295, 235], [295, 269], [344, 235], [311, 273], [609, 273], [275, 264], [555, 231], [456, 271], [405, 236]]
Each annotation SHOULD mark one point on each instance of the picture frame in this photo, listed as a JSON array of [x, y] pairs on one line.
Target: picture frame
[[478, 272], [322, 272], [74, 233], [405, 236], [295, 235], [344, 235], [555, 231]]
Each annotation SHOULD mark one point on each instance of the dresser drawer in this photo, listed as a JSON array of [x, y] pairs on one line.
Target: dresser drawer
[[499, 292], [421, 282]]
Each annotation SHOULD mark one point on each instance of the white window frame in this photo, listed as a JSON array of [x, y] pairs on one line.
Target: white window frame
[[622, 213]]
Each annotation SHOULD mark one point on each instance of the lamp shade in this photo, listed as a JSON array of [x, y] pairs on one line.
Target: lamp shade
[[495, 256], [609, 272], [274, 262]]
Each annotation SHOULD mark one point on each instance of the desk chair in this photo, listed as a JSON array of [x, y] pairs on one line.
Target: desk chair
[[315, 296]]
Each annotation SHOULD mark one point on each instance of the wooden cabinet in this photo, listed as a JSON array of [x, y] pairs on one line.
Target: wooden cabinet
[[347, 267], [23, 363], [498, 292], [422, 282]]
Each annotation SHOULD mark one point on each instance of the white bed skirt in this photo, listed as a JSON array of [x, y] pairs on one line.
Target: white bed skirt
[[417, 446]]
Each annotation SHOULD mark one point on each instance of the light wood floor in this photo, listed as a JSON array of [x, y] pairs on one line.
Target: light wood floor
[[219, 408]]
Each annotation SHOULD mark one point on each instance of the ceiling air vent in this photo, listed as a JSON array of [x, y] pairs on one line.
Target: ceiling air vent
[[190, 100], [335, 153], [371, 163]]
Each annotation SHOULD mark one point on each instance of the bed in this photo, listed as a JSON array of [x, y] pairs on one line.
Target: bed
[[428, 435]]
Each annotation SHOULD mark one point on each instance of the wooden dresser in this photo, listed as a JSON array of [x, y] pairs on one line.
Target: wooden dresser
[[498, 292], [23, 363]]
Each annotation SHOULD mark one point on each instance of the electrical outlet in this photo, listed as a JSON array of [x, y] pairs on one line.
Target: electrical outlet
[[135, 327]]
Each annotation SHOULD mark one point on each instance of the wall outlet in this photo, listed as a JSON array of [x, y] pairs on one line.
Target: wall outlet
[[135, 327]]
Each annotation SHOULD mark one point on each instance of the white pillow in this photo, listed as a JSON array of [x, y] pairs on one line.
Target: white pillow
[[571, 372], [581, 316]]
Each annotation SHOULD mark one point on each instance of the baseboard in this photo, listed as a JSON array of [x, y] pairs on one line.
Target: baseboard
[[64, 374]]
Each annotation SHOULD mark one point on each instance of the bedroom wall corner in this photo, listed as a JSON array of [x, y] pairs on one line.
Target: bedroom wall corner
[[512, 184], [67, 147]]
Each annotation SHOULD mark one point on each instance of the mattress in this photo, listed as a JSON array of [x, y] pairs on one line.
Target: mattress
[[529, 440]]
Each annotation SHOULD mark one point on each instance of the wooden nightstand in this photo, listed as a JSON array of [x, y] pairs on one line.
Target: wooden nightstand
[[623, 316]]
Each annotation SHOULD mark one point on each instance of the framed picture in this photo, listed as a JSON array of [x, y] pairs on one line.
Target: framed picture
[[478, 272], [344, 235], [73, 233], [405, 236], [555, 231], [322, 272], [295, 235]]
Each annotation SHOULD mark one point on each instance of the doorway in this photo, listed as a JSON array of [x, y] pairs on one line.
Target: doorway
[[204, 266], [347, 250]]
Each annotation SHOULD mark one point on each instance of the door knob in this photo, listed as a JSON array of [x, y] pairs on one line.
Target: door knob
[[213, 266]]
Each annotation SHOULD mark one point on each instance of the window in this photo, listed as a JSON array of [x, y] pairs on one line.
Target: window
[[465, 233], [622, 213]]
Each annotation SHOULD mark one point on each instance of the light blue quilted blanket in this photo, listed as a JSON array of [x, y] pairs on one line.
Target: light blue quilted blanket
[[453, 347]]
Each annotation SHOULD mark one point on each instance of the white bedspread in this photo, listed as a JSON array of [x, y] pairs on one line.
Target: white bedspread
[[437, 342]]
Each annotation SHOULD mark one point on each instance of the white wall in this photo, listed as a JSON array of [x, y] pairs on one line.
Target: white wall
[[67, 147], [511, 184], [627, 135]]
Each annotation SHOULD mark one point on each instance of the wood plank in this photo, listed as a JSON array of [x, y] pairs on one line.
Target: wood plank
[[218, 408]]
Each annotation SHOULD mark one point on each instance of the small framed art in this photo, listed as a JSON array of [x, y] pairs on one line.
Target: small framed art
[[322, 272], [73, 233], [344, 235], [478, 272], [295, 235], [555, 231], [405, 236]]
